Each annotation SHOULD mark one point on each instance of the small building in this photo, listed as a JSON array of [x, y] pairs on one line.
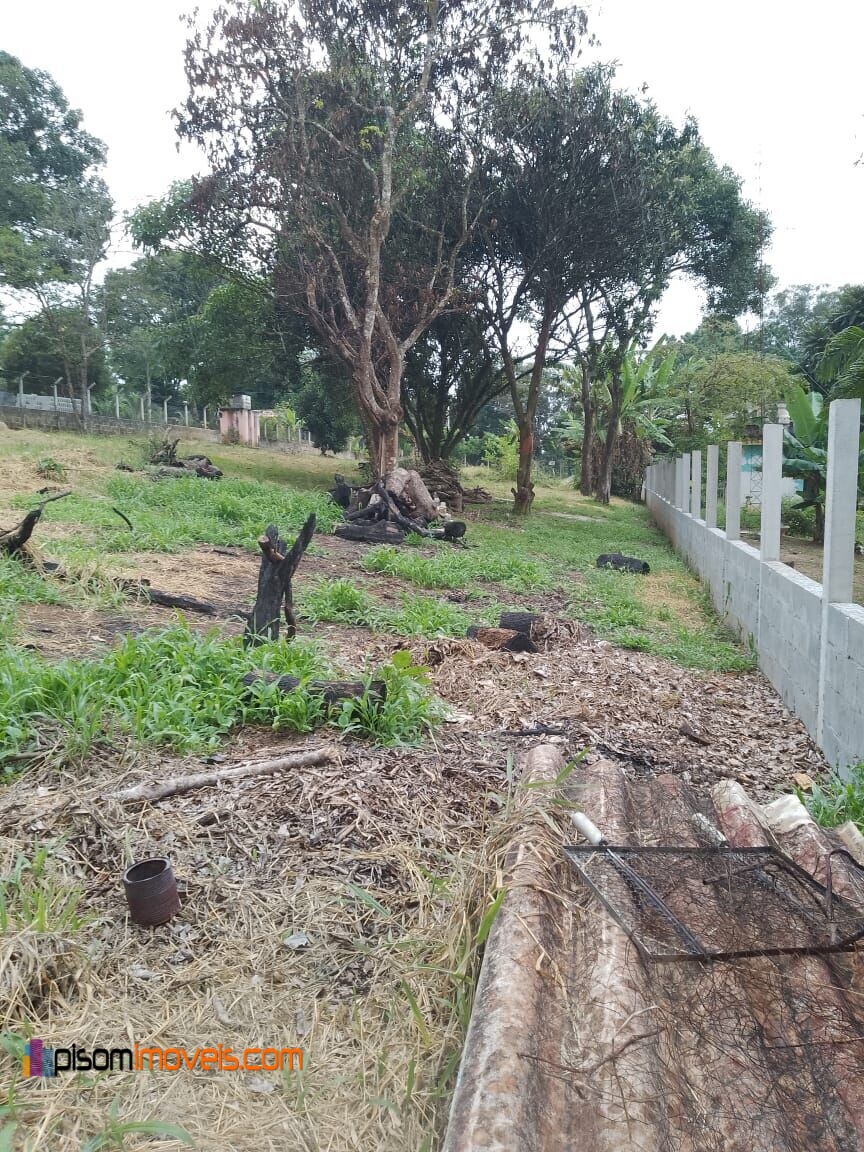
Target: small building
[[238, 423]]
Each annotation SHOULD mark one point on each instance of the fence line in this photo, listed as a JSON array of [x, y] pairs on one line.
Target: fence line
[[808, 637]]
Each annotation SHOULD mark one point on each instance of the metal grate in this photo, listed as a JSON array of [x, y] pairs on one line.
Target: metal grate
[[710, 904]]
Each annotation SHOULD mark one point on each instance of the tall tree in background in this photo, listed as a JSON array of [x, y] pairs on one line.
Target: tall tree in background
[[341, 142], [55, 216], [451, 373]]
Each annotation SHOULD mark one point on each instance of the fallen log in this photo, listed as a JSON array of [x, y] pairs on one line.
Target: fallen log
[[502, 639], [278, 566], [169, 600], [623, 563], [333, 691], [238, 772], [13, 540], [370, 532]]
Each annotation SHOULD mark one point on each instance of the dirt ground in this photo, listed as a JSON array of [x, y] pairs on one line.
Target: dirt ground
[[339, 908]]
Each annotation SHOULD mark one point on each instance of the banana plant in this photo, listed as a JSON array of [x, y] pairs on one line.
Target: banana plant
[[842, 363], [805, 451], [645, 387]]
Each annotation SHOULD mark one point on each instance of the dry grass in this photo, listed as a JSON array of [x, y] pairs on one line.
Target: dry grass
[[385, 862]]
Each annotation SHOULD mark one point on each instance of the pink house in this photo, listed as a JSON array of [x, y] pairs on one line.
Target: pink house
[[238, 424]]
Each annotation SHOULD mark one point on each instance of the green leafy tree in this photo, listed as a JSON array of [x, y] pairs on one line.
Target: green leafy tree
[[31, 350], [324, 406], [55, 216], [342, 144]]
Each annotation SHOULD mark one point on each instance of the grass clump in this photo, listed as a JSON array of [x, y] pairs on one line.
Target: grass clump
[[340, 602], [181, 689], [33, 898], [837, 799], [172, 514], [449, 568], [50, 469], [408, 712]]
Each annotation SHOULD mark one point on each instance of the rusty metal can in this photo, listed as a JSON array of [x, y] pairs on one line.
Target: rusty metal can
[[151, 891]]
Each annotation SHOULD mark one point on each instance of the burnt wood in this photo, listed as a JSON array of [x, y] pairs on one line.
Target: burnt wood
[[13, 540], [370, 532], [333, 691], [502, 639], [278, 565], [621, 563], [519, 621]]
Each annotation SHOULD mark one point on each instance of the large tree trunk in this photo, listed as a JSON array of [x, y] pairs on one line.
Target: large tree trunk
[[523, 493], [586, 473], [603, 486]]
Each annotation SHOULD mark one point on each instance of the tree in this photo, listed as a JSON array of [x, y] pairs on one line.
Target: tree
[[451, 373], [600, 201], [55, 215], [719, 387], [340, 139], [42, 148], [31, 350], [324, 405]]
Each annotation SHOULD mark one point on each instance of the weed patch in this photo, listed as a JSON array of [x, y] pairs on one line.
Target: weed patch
[[837, 799], [178, 688]]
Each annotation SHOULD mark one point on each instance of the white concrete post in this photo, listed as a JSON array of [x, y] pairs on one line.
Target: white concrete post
[[141, 406], [56, 398], [733, 490], [679, 483], [841, 495], [186, 413], [20, 391], [696, 484], [772, 491], [684, 503], [205, 416], [165, 411], [712, 468], [116, 404], [841, 498]]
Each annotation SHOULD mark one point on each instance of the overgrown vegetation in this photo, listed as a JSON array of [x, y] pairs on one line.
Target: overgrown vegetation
[[183, 689], [341, 602], [171, 514], [837, 799]]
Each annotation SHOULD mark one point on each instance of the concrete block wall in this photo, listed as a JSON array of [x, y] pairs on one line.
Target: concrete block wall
[[808, 637]]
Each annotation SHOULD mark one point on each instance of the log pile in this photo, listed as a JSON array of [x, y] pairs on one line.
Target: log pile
[[443, 482], [394, 504], [165, 456]]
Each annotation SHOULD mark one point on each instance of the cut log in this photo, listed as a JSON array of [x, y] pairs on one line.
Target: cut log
[[333, 691], [13, 540], [370, 532], [519, 621], [623, 563], [183, 603], [238, 772], [278, 566], [408, 490], [502, 639]]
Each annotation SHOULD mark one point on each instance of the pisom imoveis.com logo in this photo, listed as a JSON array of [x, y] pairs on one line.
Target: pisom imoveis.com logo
[[39, 1060]]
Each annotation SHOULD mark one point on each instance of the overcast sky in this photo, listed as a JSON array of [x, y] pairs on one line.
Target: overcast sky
[[777, 88]]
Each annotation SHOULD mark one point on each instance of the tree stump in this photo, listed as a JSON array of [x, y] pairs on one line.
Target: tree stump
[[12, 542], [278, 566]]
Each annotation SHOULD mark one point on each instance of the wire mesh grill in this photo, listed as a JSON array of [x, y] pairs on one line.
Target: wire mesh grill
[[724, 903]]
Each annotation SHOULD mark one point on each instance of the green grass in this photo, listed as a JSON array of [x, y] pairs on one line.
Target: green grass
[[185, 690], [21, 585], [491, 561], [341, 602], [170, 515], [837, 799]]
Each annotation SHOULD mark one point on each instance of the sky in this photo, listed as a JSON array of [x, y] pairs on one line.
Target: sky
[[777, 88]]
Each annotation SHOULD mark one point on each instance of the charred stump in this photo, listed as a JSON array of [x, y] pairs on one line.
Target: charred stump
[[278, 566], [13, 540]]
